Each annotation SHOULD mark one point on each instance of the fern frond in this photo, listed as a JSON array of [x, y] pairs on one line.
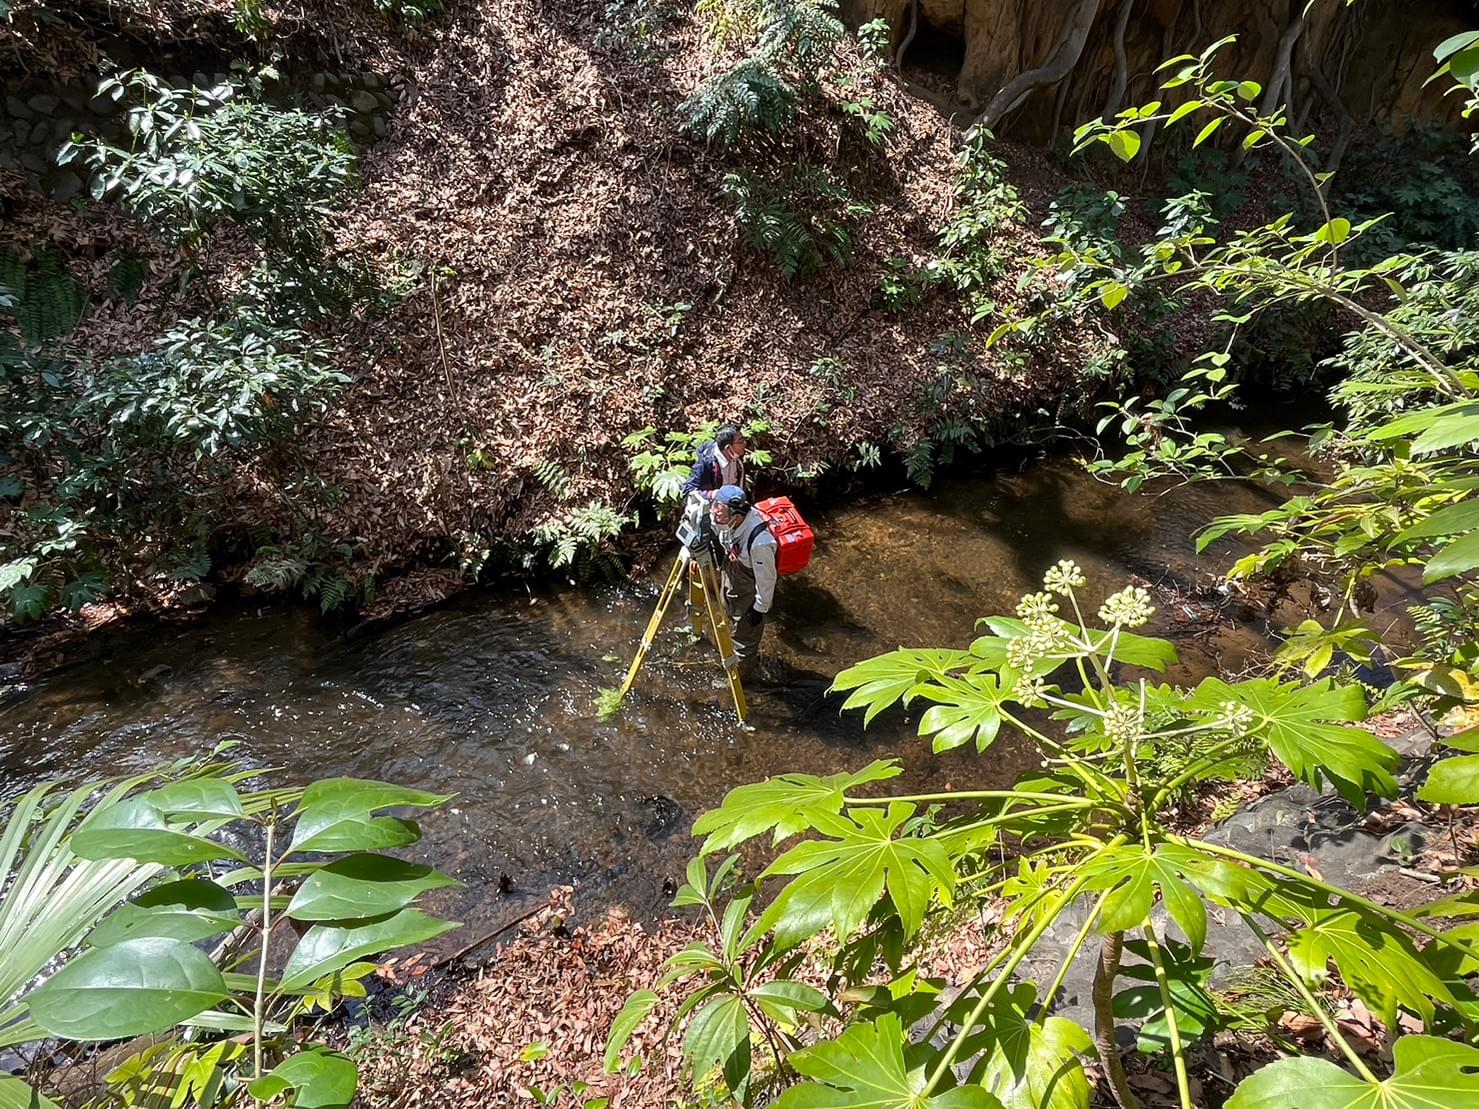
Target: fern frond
[[277, 574]]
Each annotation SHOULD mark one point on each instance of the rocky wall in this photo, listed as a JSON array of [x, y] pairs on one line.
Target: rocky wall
[[37, 117], [1374, 56]]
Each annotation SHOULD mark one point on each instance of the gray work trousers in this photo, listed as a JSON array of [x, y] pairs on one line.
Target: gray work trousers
[[738, 586]]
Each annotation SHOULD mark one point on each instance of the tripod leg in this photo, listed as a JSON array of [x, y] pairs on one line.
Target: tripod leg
[[669, 591], [719, 620], [695, 600]]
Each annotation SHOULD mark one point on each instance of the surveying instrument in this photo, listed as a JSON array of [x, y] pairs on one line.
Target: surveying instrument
[[697, 562]]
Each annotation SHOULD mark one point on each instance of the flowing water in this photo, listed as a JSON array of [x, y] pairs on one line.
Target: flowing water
[[490, 698]]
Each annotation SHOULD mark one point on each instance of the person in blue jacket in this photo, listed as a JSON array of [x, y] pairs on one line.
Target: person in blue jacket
[[720, 463]]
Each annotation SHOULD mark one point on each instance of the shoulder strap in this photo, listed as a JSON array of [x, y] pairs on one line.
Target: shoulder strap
[[763, 525]]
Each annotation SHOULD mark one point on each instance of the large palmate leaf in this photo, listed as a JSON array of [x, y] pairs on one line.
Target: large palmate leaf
[[965, 709], [338, 814], [1377, 962], [866, 1066], [883, 680], [1132, 874], [15, 1094], [1026, 1063], [784, 805], [1295, 722], [1429, 1073], [127, 989], [839, 880]]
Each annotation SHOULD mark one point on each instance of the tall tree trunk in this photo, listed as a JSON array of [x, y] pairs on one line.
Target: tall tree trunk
[[1065, 56]]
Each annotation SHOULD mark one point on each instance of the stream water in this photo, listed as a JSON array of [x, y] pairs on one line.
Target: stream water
[[490, 698]]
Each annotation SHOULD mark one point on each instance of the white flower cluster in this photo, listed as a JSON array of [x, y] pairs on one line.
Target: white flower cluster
[[1064, 577], [1236, 717], [1123, 722], [1129, 608]]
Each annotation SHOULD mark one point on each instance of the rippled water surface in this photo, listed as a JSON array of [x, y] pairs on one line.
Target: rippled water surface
[[491, 697]]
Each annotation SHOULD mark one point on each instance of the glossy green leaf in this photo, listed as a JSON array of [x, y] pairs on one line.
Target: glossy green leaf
[[375, 833], [1453, 519], [319, 1079], [1114, 292], [15, 1094], [1458, 557], [1132, 874], [1125, 143], [1453, 781], [784, 805], [361, 886], [886, 679], [351, 801], [1029, 1064], [1182, 111], [782, 999], [1249, 90], [198, 798], [327, 948], [632, 1014], [1429, 1073], [1454, 43], [1187, 979], [1208, 131], [865, 1066], [127, 989], [189, 910], [719, 1036], [1130, 649], [1457, 429], [1296, 722], [1337, 231], [966, 709], [1377, 962], [135, 829], [839, 880]]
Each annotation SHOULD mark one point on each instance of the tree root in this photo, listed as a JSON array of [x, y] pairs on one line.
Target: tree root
[[1064, 57]]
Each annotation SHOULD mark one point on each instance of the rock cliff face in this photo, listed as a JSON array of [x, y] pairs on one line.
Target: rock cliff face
[[1349, 66]]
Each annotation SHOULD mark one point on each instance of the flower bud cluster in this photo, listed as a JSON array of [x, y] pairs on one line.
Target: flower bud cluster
[[1236, 717], [1064, 578], [1123, 722], [1129, 608], [1029, 692]]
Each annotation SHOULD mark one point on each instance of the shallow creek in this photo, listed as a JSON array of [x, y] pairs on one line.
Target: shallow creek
[[490, 697]]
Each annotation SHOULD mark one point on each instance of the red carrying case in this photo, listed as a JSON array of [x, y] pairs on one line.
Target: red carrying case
[[794, 539]]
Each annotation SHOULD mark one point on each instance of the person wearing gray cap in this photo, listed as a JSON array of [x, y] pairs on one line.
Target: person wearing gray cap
[[747, 573]]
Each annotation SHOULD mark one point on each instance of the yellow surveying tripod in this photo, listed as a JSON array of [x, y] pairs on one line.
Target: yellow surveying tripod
[[696, 563]]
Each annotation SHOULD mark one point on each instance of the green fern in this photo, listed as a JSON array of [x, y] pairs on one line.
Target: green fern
[[801, 220], [278, 574], [127, 275], [750, 96], [334, 593], [553, 477], [47, 300], [919, 463]]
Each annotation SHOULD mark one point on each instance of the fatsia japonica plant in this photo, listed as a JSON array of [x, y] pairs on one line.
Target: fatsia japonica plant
[[1398, 487], [214, 917], [1094, 836]]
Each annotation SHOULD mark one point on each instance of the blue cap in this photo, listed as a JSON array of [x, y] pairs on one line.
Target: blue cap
[[732, 496]]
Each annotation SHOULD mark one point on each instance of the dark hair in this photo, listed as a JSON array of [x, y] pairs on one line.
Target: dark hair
[[726, 435]]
